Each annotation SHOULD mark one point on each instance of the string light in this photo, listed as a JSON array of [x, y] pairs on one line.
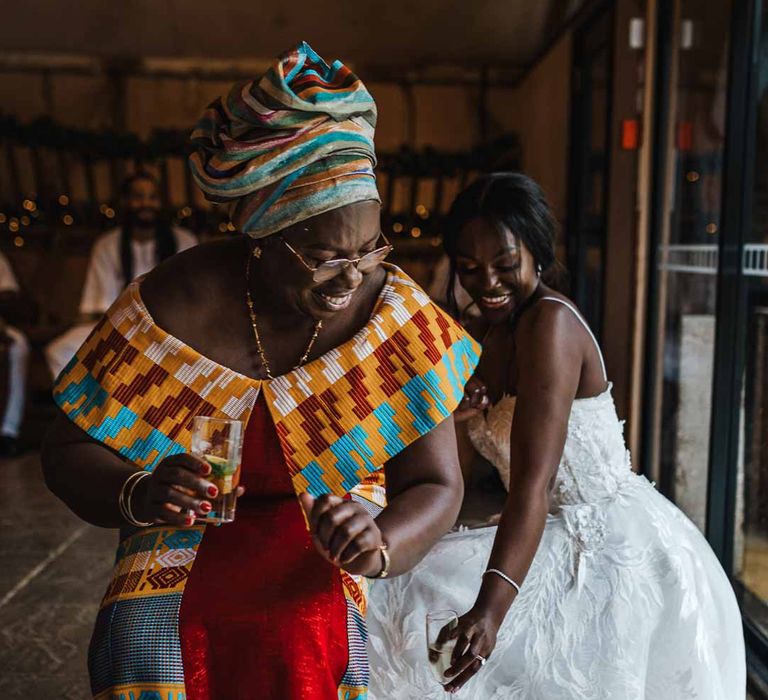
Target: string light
[[397, 228], [230, 226], [415, 232], [67, 219], [13, 225], [109, 212], [422, 211], [29, 205], [3, 218], [18, 241], [711, 228], [184, 212], [103, 208], [692, 176], [223, 227], [25, 220], [63, 200]]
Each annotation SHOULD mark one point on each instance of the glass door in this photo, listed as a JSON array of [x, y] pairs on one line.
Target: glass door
[[708, 403], [750, 547], [688, 235], [589, 162]]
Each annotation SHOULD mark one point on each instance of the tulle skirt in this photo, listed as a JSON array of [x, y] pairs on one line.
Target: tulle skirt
[[625, 600]]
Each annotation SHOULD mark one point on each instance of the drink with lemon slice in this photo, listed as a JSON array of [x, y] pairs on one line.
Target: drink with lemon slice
[[219, 442]]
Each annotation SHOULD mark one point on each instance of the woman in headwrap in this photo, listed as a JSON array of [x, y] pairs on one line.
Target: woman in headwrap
[[250, 328]]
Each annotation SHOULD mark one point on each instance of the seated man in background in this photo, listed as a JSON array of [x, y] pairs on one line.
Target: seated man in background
[[15, 345], [117, 258]]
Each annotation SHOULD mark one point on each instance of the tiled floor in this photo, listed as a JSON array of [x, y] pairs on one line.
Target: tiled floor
[[54, 570]]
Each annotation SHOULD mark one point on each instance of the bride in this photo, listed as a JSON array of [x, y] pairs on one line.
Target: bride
[[593, 585]]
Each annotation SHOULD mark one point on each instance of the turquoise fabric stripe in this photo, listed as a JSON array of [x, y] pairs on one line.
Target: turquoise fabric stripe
[[424, 392], [88, 395]]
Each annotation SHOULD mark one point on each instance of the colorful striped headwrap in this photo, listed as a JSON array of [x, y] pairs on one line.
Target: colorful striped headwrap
[[293, 144]]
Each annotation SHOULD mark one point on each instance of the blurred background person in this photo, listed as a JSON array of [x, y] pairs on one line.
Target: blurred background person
[[14, 343], [119, 256]]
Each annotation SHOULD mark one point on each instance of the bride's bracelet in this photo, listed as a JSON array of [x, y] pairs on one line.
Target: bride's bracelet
[[124, 500], [502, 575]]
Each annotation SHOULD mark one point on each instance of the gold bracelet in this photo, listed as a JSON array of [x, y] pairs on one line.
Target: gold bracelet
[[128, 507], [385, 560], [126, 493], [123, 492], [121, 497]]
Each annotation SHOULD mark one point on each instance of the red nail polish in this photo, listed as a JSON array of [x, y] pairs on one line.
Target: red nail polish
[[206, 468], [189, 520], [212, 491], [205, 506]]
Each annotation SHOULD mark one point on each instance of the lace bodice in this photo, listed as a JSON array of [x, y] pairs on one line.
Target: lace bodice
[[595, 459]]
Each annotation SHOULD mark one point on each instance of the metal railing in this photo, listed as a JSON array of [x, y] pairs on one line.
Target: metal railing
[[702, 259]]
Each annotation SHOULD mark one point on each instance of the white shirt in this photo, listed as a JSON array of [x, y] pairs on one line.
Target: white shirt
[[104, 279], [8, 281]]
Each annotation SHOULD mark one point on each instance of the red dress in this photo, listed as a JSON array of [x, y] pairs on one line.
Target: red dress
[[263, 615]]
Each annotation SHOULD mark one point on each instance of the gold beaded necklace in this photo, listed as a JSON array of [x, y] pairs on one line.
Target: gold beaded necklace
[[252, 314]]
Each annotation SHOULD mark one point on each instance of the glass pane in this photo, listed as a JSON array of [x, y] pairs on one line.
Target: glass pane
[[593, 232], [687, 256], [751, 546], [589, 167]]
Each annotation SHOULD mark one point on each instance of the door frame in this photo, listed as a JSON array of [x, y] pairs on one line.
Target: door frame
[[731, 322]]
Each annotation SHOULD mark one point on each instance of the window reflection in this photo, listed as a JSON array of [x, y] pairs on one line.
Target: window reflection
[[751, 546]]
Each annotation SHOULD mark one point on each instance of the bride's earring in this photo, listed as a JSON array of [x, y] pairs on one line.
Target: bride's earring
[[538, 270]]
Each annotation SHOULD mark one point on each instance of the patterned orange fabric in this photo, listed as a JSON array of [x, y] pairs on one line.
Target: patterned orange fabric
[[339, 419]]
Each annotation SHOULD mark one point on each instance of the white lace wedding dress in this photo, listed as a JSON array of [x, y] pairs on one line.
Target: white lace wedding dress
[[625, 600]]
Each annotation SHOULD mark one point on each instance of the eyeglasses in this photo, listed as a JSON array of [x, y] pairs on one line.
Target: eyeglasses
[[331, 268]]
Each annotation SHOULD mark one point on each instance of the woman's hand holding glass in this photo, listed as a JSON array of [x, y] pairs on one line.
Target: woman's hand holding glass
[[475, 636], [344, 533], [177, 492]]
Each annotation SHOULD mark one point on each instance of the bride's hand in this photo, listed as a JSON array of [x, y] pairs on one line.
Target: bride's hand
[[475, 400], [475, 637], [344, 533]]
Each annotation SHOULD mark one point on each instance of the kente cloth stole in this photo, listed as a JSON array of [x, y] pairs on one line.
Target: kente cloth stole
[[135, 388]]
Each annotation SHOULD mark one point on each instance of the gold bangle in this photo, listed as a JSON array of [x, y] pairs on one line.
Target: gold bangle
[[123, 488], [128, 507], [385, 561], [126, 493]]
